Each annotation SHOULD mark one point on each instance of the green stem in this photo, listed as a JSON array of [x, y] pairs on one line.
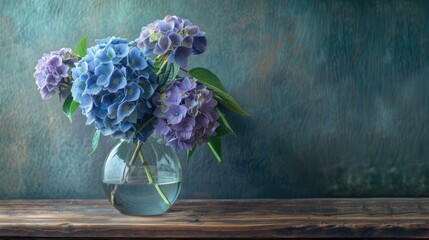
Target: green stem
[[146, 168], [162, 65], [150, 179], [186, 71], [126, 170]]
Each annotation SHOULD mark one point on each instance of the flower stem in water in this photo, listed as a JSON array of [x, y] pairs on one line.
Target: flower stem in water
[[150, 179], [126, 170]]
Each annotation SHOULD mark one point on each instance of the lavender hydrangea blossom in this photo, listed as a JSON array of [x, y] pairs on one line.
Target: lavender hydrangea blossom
[[185, 114], [173, 36], [113, 83], [53, 71]]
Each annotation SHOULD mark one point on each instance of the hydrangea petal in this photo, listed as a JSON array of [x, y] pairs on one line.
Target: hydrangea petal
[[104, 69], [132, 92], [117, 81], [52, 70], [174, 97], [91, 86], [169, 34], [178, 23], [40, 76], [118, 108], [176, 39], [202, 122], [184, 135], [125, 126], [50, 87], [148, 89], [165, 26], [186, 124], [181, 56], [187, 42], [62, 71], [162, 46], [86, 101], [135, 60], [121, 50], [46, 93], [192, 30], [89, 119], [125, 109], [112, 110], [50, 79], [106, 54], [175, 113], [133, 117], [107, 131], [199, 45], [161, 127], [186, 85], [54, 61], [103, 80]]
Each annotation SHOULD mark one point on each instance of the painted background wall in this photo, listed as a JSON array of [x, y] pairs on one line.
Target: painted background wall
[[339, 93]]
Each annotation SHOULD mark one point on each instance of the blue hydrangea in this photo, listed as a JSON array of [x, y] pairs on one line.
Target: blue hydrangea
[[173, 36], [113, 83], [53, 72], [185, 114]]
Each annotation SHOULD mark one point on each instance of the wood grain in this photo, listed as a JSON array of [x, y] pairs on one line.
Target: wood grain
[[381, 217]]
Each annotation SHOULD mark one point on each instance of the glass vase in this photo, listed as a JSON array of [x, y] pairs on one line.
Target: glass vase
[[142, 179]]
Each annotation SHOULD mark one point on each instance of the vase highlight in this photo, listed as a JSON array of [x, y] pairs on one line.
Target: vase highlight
[[142, 179]]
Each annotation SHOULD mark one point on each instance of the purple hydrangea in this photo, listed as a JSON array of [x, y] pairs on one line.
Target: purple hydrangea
[[185, 114], [173, 36], [53, 72], [113, 83]]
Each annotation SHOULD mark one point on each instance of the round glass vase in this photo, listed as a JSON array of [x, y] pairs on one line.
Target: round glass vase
[[142, 179]]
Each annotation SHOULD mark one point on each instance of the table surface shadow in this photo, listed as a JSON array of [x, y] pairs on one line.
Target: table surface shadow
[[253, 218]]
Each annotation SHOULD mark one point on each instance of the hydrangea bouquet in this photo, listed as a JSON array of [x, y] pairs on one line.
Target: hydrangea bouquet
[[130, 90]]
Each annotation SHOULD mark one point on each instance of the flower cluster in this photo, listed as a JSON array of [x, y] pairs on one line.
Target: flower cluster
[[113, 83], [174, 36], [186, 114], [53, 71], [116, 86]]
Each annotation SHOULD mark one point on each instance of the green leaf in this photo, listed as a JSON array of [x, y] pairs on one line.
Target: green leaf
[[69, 107], [206, 77], [167, 73], [73, 106], [66, 106], [157, 65], [162, 58], [158, 61], [81, 47], [224, 127], [190, 153], [95, 141], [228, 101], [212, 82], [216, 147]]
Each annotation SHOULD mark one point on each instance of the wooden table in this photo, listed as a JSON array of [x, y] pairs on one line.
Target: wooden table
[[382, 217]]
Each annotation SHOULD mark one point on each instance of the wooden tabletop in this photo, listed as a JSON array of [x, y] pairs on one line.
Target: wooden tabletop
[[382, 217]]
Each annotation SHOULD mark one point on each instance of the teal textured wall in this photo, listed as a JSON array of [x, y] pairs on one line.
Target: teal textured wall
[[338, 91]]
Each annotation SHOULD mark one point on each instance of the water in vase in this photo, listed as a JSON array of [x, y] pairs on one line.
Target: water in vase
[[141, 198]]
